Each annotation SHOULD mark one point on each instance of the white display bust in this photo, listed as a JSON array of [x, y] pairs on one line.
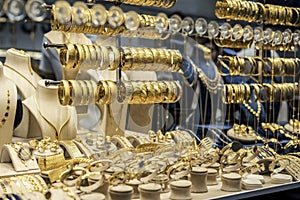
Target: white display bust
[[8, 104], [17, 67], [47, 116]]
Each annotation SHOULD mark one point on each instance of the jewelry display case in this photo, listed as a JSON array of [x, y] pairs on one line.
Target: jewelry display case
[[152, 104]]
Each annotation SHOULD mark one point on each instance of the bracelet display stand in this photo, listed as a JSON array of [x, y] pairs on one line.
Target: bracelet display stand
[[231, 182], [150, 191], [123, 192], [12, 165], [212, 176], [59, 37], [140, 118], [113, 116], [135, 185], [199, 179], [180, 190]]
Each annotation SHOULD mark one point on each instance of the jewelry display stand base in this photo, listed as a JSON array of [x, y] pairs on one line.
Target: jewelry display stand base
[[241, 137], [292, 129], [215, 192]]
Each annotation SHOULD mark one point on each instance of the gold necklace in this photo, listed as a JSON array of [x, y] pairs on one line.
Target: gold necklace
[[251, 110], [6, 114], [211, 85], [57, 132], [27, 79]]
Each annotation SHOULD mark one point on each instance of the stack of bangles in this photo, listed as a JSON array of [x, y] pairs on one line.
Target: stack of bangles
[[72, 56], [98, 20], [77, 92], [151, 59], [239, 44], [249, 65], [239, 65], [149, 92], [258, 12], [240, 93], [280, 91], [236, 93], [280, 66]]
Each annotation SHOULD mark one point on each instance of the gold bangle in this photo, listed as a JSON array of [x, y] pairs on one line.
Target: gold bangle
[[64, 93], [93, 54], [114, 57], [67, 56], [102, 93], [127, 58], [149, 59], [87, 54], [99, 165], [80, 57], [84, 92], [176, 167], [121, 142], [73, 172], [76, 93]]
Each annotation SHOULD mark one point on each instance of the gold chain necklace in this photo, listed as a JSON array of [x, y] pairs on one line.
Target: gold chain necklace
[[57, 132], [27, 79], [6, 114]]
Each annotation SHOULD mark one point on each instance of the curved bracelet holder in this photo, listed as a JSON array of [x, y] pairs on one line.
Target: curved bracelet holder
[[12, 165], [83, 149], [70, 149]]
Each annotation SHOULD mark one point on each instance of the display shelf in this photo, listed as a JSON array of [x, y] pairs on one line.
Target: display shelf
[[215, 192]]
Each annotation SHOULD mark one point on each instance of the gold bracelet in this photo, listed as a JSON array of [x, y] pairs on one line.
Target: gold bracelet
[[85, 179], [51, 162], [76, 93], [71, 175], [71, 148], [67, 56], [64, 93]]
